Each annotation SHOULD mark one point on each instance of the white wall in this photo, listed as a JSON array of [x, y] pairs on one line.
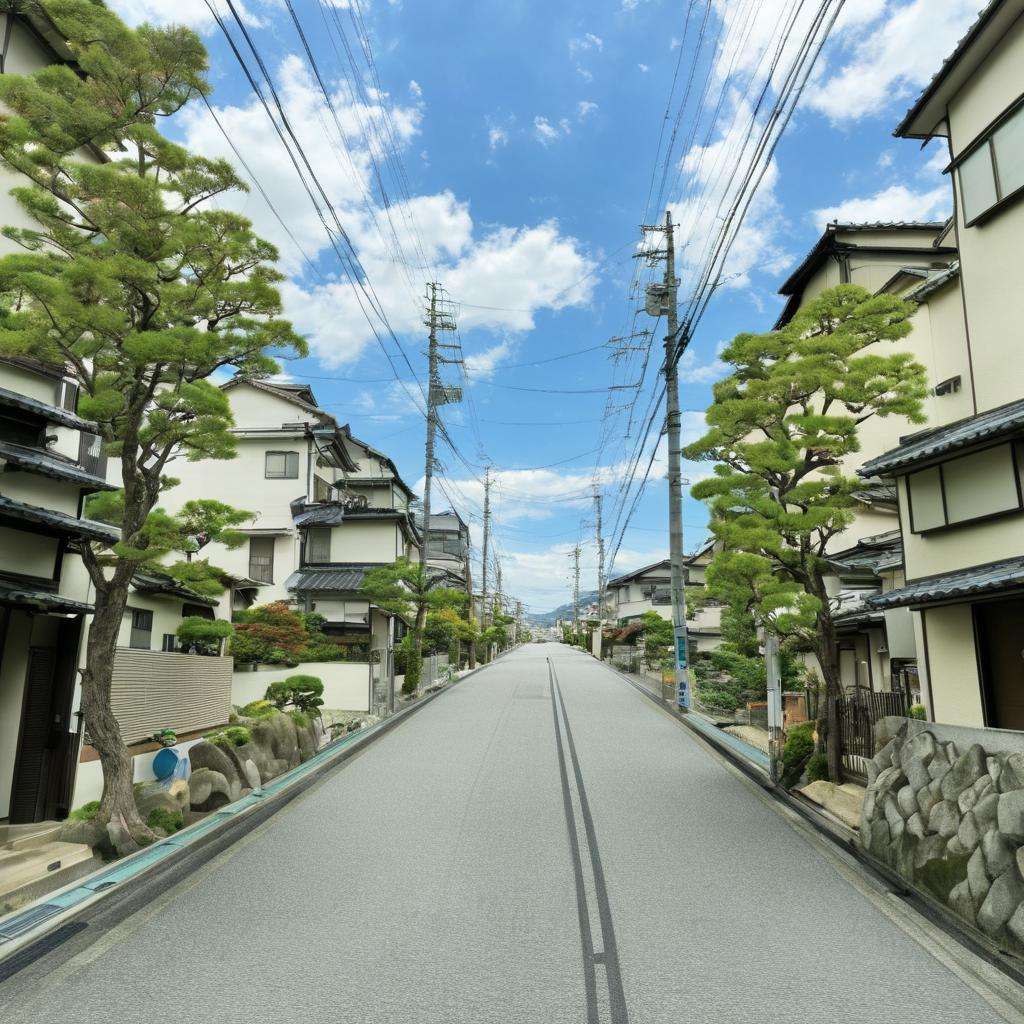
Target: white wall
[[346, 684]]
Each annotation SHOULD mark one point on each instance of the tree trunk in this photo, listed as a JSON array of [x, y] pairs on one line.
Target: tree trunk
[[827, 659], [118, 812]]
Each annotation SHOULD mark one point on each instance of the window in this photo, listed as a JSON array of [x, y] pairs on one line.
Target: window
[[170, 643], [282, 466], [141, 637], [995, 170], [321, 489], [67, 395], [318, 545], [446, 544], [261, 559], [963, 490], [90, 454]]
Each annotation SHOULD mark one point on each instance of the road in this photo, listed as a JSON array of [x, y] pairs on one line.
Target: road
[[540, 844]]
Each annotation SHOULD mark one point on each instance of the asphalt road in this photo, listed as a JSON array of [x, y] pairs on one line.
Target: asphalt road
[[540, 844]]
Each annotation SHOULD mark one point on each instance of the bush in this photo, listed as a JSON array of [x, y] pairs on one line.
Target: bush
[[303, 692], [817, 768], [796, 753], [86, 812], [165, 737], [919, 712], [300, 718], [169, 821], [203, 636], [274, 635], [232, 736], [258, 709]]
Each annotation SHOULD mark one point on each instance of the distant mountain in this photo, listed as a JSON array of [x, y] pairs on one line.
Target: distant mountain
[[563, 611]]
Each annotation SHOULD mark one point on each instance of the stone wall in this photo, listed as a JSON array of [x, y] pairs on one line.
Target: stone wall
[[949, 818]]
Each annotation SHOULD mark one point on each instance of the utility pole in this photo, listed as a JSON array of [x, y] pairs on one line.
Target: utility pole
[[774, 674], [469, 590], [663, 300], [485, 611], [519, 620], [600, 554], [576, 591], [439, 317]]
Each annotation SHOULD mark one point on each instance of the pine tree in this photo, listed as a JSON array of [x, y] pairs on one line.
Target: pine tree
[[781, 430], [139, 289]]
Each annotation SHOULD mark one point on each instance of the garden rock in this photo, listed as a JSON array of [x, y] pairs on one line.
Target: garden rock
[[968, 833], [88, 833], [962, 902], [252, 775], [210, 790], [153, 796], [928, 849], [1010, 814], [985, 811], [997, 851], [977, 877], [907, 801], [210, 755], [926, 800], [917, 775], [1015, 926], [944, 819], [1012, 776], [1004, 896], [964, 772], [915, 826], [276, 734], [920, 750]]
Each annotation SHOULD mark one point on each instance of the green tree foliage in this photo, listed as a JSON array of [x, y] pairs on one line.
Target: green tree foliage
[[274, 634], [659, 638], [404, 589], [781, 430], [140, 288], [302, 692], [203, 636]]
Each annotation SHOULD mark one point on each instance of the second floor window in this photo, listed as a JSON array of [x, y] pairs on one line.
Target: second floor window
[[141, 637], [995, 170], [282, 466], [261, 559], [318, 545]]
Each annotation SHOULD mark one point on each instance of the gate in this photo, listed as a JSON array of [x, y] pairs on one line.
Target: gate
[[382, 681], [858, 712]]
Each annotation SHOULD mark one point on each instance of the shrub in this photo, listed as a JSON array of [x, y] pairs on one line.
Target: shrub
[[817, 767], [232, 736], [320, 648], [797, 751], [169, 821], [919, 712], [258, 709], [86, 812], [165, 737], [203, 636], [274, 635], [300, 718], [303, 692]]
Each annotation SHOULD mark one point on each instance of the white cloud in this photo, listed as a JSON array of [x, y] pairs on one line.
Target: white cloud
[[586, 42], [585, 108], [497, 137], [528, 267], [415, 89], [545, 132], [481, 365], [894, 59], [708, 191], [644, 68], [890, 204], [693, 370], [193, 13]]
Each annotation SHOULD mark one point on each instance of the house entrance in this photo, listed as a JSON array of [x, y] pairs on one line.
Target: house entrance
[[999, 628]]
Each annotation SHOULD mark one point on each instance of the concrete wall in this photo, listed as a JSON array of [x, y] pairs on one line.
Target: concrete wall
[[990, 251], [346, 684]]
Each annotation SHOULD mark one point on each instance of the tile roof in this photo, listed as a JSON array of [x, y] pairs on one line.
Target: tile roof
[[43, 600], [47, 463], [340, 577], [151, 581], [874, 554], [60, 522], [1004, 421], [934, 282], [978, 580], [975, 30], [50, 413]]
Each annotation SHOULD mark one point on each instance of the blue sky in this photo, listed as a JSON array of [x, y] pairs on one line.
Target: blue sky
[[526, 135]]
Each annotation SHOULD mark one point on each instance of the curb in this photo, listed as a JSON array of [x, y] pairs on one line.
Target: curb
[[116, 890], [845, 839]]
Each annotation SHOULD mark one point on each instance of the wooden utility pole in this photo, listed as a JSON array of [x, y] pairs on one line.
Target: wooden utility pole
[[576, 591]]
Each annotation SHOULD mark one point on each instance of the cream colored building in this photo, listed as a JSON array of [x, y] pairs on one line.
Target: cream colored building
[[649, 590], [959, 484]]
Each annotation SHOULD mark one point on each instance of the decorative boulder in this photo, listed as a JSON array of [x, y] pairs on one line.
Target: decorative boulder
[[210, 790], [210, 755], [152, 796], [1010, 814], [963, 773], [1004, 896], [276, 734]]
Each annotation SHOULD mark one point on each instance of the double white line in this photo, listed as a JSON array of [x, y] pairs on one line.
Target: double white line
[[605, 1002]]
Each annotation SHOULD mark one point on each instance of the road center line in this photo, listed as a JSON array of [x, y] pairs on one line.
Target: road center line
[[607, 957]]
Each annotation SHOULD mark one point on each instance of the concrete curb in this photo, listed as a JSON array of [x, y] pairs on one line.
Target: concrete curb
[[114, 890]]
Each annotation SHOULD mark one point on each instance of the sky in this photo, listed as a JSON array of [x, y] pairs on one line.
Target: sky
[[509, 150]]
